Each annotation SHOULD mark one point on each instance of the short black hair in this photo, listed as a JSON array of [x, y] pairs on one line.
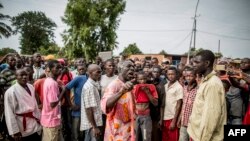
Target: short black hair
[[207, 55], [158, 67], [174, 69], [190, 69], [109, 60], [52, 63]]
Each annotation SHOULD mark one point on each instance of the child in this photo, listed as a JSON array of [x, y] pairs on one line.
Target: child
[[190, 91], [143, 95]]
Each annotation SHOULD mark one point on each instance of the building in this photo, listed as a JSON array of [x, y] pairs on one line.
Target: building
[[173, 58]]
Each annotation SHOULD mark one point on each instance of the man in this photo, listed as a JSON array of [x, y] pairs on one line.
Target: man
[[171, 108], [109, 75], [117, 103], [76, 84], [155, 110], [51, 117], [21, 111], [7, 78], [245, 82], [208, 116], [38, 69], [91, 114]]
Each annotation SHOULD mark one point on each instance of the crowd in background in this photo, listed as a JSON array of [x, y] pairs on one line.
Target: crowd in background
[[122, 99]]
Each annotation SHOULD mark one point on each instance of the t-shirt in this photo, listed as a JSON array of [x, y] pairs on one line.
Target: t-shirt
[[141, 96], [77, 84], [50, 117], [105, 81]]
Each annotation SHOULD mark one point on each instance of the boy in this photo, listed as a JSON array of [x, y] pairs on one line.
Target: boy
[[171, 110], [190, 91], [144, 94]]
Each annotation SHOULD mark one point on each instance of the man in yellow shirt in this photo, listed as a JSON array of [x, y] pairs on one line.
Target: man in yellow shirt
[[209, 110]]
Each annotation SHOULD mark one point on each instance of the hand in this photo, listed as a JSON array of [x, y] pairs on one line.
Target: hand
[[160, 124], [145, 89], [126, 87], [17, 136], [179, 123], [172, 125], [75, 107], [96, 131]]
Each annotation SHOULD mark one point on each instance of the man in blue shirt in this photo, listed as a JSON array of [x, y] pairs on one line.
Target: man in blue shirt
[[77, 84]]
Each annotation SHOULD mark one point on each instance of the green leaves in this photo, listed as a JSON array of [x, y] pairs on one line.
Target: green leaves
[[36, 31], [131, 49], [5, 30], [92, 25]]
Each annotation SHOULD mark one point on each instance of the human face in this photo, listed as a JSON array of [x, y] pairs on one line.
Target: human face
[[81, 70], [154, 62], [110, 68], [37, 58], [171, 74], [200, 66], [128, 73], [190, 77], [56, 70], [156, 73], [245, 64], [22, 77], [29, 71], [141, 79], [96, 74], [11, 61]]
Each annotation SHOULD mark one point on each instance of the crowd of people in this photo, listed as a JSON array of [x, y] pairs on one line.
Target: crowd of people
[[122, 100]]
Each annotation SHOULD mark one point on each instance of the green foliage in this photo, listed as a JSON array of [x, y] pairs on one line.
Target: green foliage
[[131, 49], [92, 25], [36, 31], [218, 54], [52, 49], [163, 52], [5, 30], [6, 50]]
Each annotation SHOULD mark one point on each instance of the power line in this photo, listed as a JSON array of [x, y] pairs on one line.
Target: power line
[[161, 30], [222, 35]]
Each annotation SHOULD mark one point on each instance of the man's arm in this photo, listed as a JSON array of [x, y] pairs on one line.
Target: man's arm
[[112, 100], [90, 116], [176, 115]]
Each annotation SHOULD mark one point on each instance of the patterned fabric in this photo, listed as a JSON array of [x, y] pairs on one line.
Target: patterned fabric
[[7, 78], [187, 107], [38, 71], [90, 98], [120, 119]]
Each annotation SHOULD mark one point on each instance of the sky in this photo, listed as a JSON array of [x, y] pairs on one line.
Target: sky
[[156, 25]]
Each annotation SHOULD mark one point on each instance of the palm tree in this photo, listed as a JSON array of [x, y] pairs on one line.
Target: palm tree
[[5, 30]]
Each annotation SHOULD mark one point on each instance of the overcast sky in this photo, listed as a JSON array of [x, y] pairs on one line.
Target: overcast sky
[[156, 25]]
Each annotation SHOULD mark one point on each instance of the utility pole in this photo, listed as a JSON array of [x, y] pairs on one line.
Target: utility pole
[[193, 33], [219, 47]]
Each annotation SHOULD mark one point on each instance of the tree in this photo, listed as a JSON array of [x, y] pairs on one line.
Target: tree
[[6, 50], [5, 30], [92, 26], [163, 52], [52, 49], [131, 49], [36, 31]]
